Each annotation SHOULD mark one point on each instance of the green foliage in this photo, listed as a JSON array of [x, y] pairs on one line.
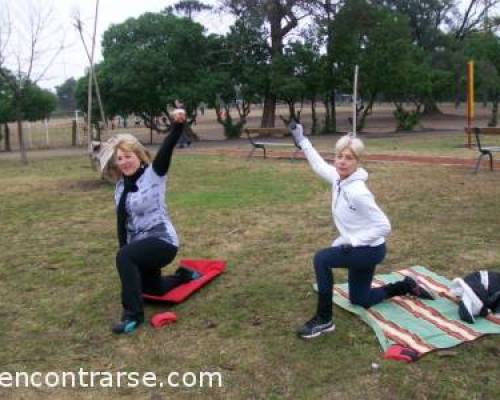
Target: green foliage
[[6, 97], [484, 49], [66, 95], [33, 102], [236, 75], [151, 61], [37, 103], [189, 7], [425, 19], [297, 74], [407, 120]]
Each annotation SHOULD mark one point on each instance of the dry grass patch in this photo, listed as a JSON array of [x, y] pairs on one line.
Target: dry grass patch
[[59, 288]]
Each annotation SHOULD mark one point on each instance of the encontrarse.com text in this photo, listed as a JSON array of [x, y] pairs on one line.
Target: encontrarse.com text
[[103, 379]]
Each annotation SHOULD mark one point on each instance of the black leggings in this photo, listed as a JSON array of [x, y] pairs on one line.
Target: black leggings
[[139, 266]]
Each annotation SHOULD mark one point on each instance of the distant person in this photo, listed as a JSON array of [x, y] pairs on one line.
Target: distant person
[[147, 238], [362, 226]]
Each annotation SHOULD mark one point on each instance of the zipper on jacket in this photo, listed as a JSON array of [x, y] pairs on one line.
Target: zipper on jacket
[[338, 195]]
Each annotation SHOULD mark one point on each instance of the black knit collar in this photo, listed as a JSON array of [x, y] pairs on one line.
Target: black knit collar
[[130, 180]]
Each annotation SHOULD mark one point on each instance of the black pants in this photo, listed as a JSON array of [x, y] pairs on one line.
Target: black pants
[[139, 266]]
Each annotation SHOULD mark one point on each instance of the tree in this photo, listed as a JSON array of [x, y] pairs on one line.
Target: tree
[[484, 48], [236, 75], [379, 41], [35, 104], [187, 7], [299, 79], [149, 63], [433, 24], [279, 18], [6, 108], [26, 56], [66, 95], [325, 13]]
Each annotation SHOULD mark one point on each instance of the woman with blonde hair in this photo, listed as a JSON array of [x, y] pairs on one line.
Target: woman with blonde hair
[[147, 238], [362, 226]]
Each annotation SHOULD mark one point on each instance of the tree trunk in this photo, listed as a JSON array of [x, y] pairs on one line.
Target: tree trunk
[[494, 111], [458, 89], [22, 148], [330, 119], [269, 112], [7, 137], [291, 110], [430, 107], [366, 111], [73, 133], [314, 117]]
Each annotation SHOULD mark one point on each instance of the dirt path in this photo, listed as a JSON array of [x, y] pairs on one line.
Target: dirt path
[[241, 149]]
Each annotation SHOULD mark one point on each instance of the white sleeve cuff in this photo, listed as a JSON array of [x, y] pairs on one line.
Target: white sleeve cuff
[[305, 144]]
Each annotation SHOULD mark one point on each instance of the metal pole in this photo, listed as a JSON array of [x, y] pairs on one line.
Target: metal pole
[[46, 122], [78, 138], [470, 101], [354, 101]]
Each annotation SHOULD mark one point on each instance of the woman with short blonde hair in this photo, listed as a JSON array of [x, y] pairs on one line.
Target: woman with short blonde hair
[[147, 238], [362, 228]]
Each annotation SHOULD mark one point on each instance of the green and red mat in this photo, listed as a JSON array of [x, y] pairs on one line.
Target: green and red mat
[[409, 327]]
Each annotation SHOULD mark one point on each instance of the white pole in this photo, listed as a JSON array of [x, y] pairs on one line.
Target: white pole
[[46, 131], [78, 138], [354, 101]]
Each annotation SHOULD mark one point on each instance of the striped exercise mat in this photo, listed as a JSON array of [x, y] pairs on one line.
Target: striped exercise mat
[[419, 326]]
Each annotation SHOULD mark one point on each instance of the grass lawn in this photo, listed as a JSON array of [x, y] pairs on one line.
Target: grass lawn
[[59, 290], [448, 144]]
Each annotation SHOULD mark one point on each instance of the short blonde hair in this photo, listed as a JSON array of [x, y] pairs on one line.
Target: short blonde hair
[[349, 142], [129, 143]]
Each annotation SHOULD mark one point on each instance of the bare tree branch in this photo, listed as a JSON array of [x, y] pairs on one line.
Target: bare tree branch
[[474, 15]]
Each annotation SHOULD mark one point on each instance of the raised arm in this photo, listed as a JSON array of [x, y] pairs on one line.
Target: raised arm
[[161, 163], [317, 163]]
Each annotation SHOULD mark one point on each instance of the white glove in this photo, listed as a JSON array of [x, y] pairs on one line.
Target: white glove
[[297, 132]]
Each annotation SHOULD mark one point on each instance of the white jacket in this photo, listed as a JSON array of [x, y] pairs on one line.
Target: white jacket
[[357, 217]]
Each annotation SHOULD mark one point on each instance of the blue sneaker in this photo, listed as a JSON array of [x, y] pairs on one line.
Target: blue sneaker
[[188, 274], [125, 326], [315, 327]]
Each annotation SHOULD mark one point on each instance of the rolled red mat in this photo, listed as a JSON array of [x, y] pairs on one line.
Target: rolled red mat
[[162, 319]]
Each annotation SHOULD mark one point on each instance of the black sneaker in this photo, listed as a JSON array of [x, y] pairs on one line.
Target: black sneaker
[[418, 290], [315, 327], [126, 326]]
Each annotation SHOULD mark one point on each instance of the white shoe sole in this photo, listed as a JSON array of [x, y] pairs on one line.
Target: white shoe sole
[[312, 336]]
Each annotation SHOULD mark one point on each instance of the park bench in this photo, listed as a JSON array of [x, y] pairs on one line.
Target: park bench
[[485, 150], [259, 139]]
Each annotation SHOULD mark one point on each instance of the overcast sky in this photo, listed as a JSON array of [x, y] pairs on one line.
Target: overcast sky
[[72, 61]]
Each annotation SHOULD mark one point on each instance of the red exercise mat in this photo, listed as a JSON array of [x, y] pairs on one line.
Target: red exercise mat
[[208, 269], [162, 319]]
